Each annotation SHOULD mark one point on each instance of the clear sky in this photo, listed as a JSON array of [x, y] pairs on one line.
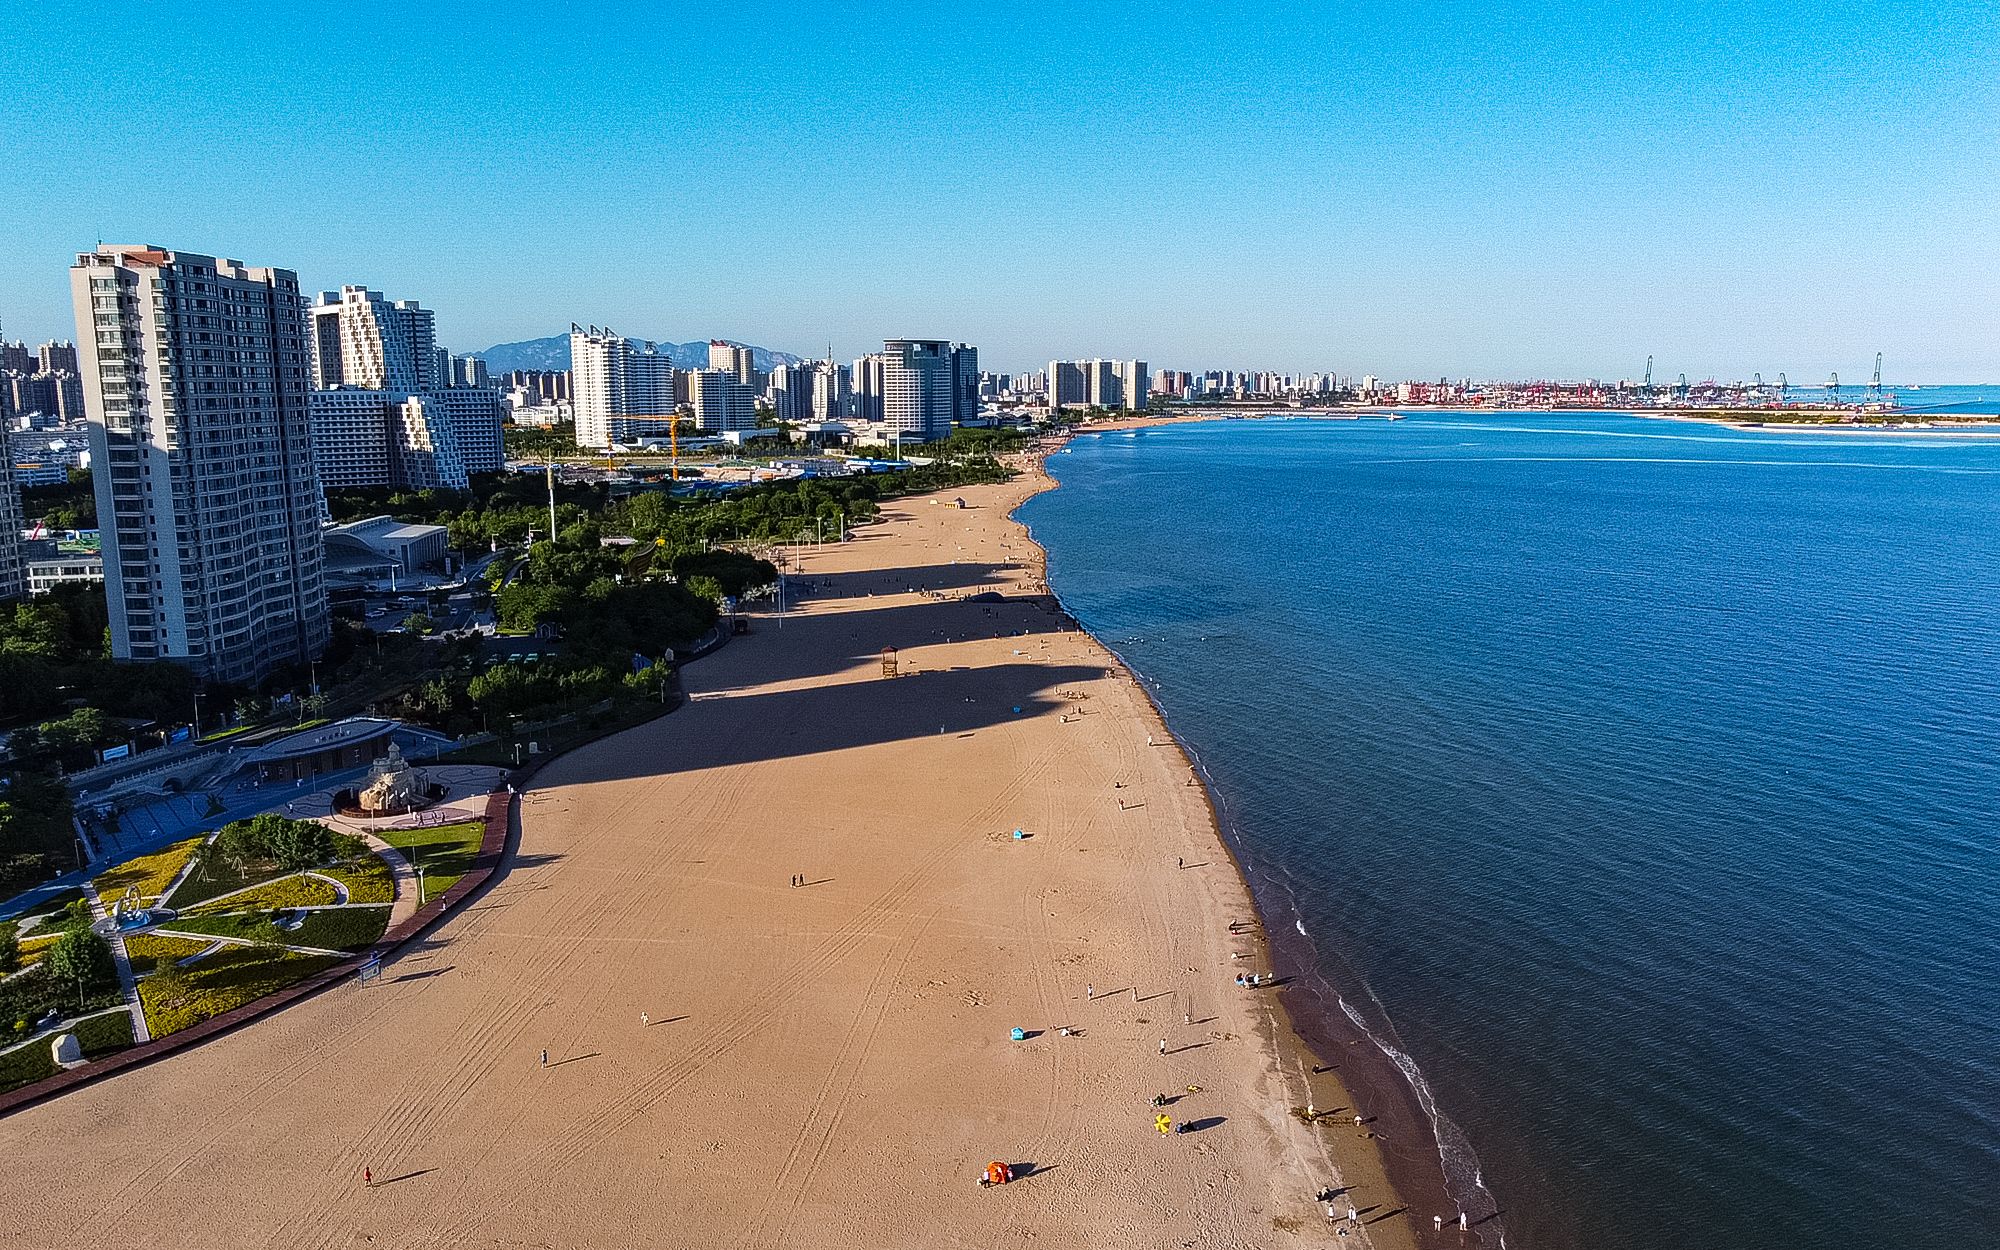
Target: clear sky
[[1402, 189]]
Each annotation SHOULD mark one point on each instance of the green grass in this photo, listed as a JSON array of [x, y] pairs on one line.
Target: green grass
[[225, 981], [217, 877], [151, 873], [146, 950], [342, 929], [556, 739], [445, 852], [101, 1035], [29, 1064], [291, 890], [33, 949], [367, 880]]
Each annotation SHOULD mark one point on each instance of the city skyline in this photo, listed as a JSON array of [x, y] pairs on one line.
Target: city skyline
[[1440, 194]]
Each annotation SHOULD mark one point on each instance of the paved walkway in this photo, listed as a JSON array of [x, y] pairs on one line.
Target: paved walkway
[[406, 879]]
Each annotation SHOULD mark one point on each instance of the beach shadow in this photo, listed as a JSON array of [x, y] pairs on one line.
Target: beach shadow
[[420, 976], [407, 1176], [1162, 994], [576, 1059], [1324, 1067], [1024, 1170], [1029, 1035], [1205, 1123], [821, 881], [1110, 994], [1203, 864], [1123, 806], [1386, 1215], [668, 1020], [1175, 1050], [1494, 1215]]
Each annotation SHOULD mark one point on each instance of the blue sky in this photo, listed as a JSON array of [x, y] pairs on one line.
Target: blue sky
[[1500, 190]]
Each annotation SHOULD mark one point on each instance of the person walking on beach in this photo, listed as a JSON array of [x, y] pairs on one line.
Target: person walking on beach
[[545, 1058], [1353, 1216], [1461, 1221], [1089, 992], [1163, 1045], [644, 1020], [367, 1176], [1437, 1223]]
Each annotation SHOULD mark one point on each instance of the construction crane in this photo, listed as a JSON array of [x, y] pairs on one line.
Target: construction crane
[[1681, 389], [1832, 389], [1875, 386], [1646, 387]]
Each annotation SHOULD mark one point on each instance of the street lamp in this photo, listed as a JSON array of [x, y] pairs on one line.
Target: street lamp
[[197, 716]]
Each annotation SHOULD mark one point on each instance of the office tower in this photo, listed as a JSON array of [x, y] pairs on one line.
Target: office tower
[[721, 401], [733, 359], [919, 381], [1065, 385], [965, 382], [362, 339], [54, 357], [866, 380], [196, 373]]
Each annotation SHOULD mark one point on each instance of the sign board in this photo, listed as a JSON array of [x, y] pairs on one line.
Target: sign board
[[182, 734], [114, 753], [370, 970]]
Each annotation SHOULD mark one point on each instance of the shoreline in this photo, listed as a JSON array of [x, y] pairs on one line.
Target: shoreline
[[1962, 428], [1318, 1043]]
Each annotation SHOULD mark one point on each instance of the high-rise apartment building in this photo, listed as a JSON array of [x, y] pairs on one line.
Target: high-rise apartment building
[[919, 387], [611, 380], [54, 357], [382, 414], [721, 401], [13, 559], [362, 339], [197, 374], [832, 397], [865, 377], [1097, 384], [733, 359]]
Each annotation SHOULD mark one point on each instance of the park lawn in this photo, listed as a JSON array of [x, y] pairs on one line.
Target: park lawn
[[445, 852], [368, 880], [146, 950], [291, 890], [101, 1035], [151, 873], [225, 981], [28, 1064], [218, 876], [340, 929]]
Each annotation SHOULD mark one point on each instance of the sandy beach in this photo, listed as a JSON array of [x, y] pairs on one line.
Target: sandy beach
[[825, 1064]]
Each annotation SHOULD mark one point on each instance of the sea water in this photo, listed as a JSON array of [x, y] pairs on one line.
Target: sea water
[[1635, 782]]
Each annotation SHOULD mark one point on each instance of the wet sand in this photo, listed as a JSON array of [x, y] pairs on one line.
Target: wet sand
[[827, 1064]]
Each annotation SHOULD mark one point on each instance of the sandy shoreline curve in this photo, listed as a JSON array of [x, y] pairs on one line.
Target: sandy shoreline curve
[[734, 1059]]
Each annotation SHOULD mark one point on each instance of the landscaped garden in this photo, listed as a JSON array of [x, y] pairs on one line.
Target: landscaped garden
[[259, 905]]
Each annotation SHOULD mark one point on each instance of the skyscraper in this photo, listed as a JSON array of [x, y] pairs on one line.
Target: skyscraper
[[196, 373], [866, 379], [965, 382], [13, 562], [610, 381], [1065, 385], [919, 382], [361, 338]]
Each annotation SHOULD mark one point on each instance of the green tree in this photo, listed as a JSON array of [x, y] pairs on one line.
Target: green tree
[[82, 956], [293, 844], [10, 947]]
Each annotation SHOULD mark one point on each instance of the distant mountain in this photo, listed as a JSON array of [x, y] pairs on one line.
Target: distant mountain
[[553, 353]]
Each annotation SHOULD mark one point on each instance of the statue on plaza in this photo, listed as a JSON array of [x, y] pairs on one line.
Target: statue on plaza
[[393, 786]]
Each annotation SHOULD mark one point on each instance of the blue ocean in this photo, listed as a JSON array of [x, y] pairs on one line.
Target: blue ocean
[[1622, 794]]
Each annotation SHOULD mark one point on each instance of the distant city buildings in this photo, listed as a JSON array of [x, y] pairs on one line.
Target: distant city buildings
[[1097, 384], [41, 388], [382, 414], [197, 375], [619, 392], [721, 401], [13, 569], [733, 359]]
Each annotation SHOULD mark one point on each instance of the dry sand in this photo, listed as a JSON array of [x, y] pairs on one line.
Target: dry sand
[[826, 1066]]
